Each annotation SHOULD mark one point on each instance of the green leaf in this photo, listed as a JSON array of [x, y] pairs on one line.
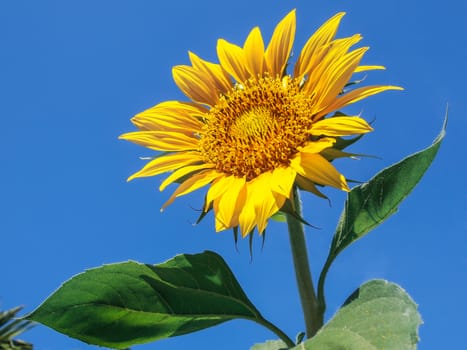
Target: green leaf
[[378, 315], [124, 304], [369, 204], [270, 345]]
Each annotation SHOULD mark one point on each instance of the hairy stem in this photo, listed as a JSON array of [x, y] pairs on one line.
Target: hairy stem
[[312, 311]]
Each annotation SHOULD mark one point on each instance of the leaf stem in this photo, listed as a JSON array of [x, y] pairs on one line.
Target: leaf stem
[[284, 337], [321, 280], [312, 311]]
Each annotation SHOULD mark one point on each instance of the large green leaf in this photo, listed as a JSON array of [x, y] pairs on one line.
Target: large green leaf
[[129, 303], [378, 315], [369, 204]]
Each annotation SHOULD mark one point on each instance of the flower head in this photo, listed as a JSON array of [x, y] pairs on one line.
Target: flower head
[[251, 130]]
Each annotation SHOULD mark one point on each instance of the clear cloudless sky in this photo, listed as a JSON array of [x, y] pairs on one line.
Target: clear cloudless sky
[[73, 73]]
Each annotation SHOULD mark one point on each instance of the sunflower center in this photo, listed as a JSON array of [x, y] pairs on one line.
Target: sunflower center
[[253, 123], [256, 127]]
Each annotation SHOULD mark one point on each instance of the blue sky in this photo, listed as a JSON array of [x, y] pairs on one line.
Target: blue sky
[[72, 75]]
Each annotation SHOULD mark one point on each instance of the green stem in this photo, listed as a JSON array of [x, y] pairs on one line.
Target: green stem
[[311, 308], [289, 342]]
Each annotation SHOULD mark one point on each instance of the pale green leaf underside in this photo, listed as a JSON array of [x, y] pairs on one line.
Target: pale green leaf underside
[[270, 345], [378, 315]]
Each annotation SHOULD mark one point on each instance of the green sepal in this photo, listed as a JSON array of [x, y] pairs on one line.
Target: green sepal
[[342, 143], [235, 235], [250, 244], [10, 327], [354, 82], [279, 217], [124, 304], [203, 212], [332, 153], [288, 209]]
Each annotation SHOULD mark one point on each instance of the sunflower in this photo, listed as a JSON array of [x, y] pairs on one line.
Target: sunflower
[[252, 131]]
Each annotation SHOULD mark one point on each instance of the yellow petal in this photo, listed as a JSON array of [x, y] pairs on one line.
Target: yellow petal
[[280, 46], [193, 183], [318, 146], [167, 123], [171, 116], [232, 59], [260, 204], [282, 180], [217, 189], [271, 203], [320, 38], [214, 72], [185, 108], [178, 174], [339, 75], [356, 95], [330, 56], [166, 163], [195, 85], [247, 217], [340, 126], [316, 168], [227, 207], [162, 140], [254, 53], [219, 225], [365, 68]]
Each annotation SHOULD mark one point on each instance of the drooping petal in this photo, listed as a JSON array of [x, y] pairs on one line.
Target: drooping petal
[[232, 59], [280, 46], [356, 95], [217, 189], [178, 174], [218, 77], [167, 163], [282, 180], [162, 140], [193, 183], [260, 204], [254, 53], [340, 126], [227, 207], [320, 38], [316, 168], [195, 85]]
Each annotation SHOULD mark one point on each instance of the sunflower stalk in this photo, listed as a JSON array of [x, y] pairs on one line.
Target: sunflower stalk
[[312, 310]]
